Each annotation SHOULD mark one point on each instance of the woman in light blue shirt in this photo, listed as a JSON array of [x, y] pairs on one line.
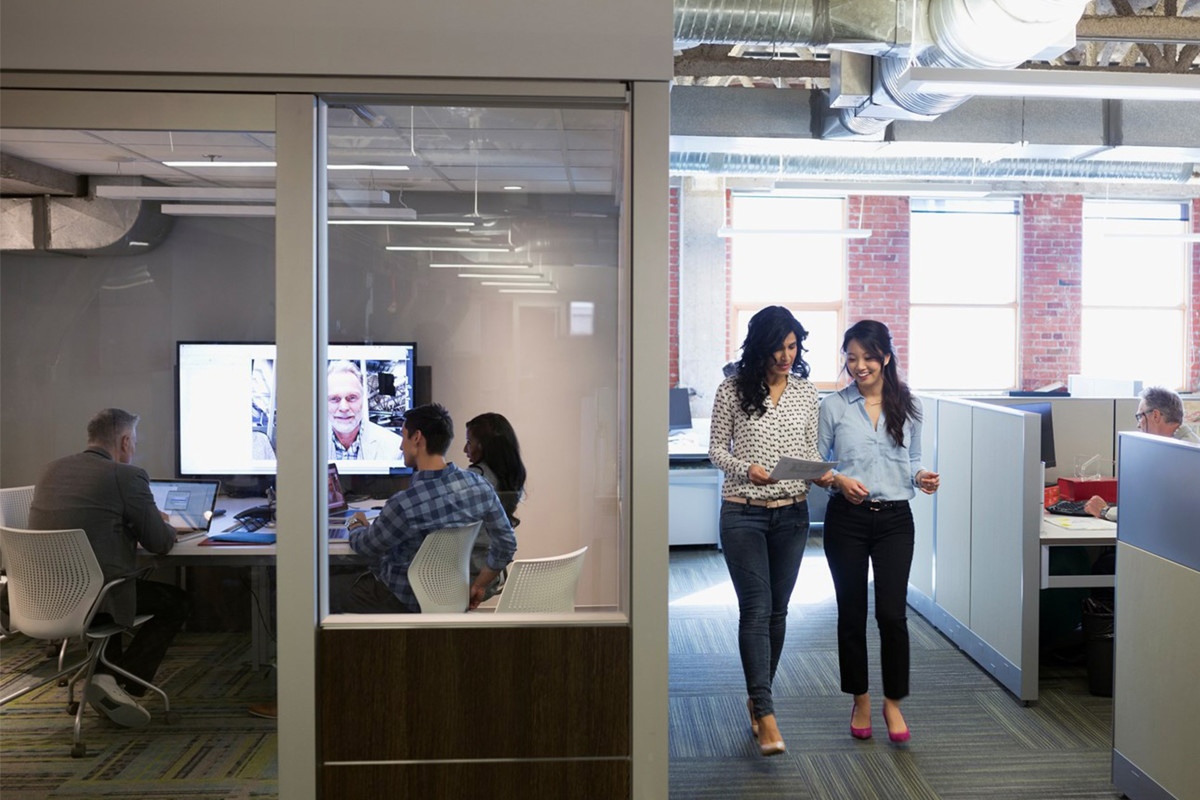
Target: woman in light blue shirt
[[872, 428]]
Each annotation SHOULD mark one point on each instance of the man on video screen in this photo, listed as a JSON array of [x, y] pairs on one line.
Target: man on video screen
[[353, 436]]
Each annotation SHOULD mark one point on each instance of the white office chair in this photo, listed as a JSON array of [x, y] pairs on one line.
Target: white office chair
[[545, 585], [14, 512], [55, 588], [440, 572]]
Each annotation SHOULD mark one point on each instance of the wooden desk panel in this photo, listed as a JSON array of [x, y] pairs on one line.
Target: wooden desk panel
[[513, 780], [474, 693]]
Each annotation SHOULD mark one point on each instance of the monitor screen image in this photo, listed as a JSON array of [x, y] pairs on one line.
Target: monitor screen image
[[1047, 428], [225, 395]]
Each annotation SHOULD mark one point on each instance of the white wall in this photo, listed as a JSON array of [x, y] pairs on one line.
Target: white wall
[[560, 39]]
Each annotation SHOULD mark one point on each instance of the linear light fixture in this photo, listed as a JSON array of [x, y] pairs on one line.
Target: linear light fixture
[[468, 265], [412, 223], [841, 233], [210, 210], [114, 192], [449, 249], [528, 291], [216, 163], [382, 167], [519, 285], [825, 188], [1051, 83], [492, 277]]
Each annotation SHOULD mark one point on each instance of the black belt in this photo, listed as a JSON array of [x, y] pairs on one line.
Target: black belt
[[875, 505]]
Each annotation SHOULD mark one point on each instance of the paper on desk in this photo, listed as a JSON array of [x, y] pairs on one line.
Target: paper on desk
[[1080, 523], [794, 469]]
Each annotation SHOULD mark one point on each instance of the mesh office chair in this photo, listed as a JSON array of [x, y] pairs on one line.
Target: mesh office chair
[[14, 512], [440, 572], [55, 588], [545, 585]]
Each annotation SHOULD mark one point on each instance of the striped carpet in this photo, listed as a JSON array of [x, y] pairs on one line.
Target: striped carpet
[[216, 751], [971, 739]]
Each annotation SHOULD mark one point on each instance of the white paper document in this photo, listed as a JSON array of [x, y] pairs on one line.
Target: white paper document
[[1080, 523], [794, 469]]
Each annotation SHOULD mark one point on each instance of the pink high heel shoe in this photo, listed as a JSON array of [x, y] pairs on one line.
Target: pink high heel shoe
[[898, 738], [858, 733]]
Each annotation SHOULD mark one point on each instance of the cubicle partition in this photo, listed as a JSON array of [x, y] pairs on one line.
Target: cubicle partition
[[977, 560], [1156, 698]]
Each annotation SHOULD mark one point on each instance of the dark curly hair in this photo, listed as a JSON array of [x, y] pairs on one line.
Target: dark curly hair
[[502, 453], [898, 403], [768, 328]]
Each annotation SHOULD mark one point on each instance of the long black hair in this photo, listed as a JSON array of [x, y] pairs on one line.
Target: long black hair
[[768, 328], [898, 403], [502, 453]]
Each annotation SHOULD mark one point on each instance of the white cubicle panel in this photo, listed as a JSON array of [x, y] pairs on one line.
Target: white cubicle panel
[[1083, 428], [1006, 488], [951, 563], [1124, 421], [924, 506]]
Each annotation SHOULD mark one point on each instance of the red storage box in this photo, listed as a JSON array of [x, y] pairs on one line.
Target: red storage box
[[1077, 489]]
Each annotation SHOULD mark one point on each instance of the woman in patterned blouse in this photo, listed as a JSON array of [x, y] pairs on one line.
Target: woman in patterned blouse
[[765, 410], [873, 429]]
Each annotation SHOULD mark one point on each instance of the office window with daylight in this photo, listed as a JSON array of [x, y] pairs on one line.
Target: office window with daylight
[[949, 314], [1136, 262], [785, 251]]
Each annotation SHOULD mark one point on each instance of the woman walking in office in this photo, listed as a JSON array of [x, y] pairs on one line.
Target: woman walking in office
[[872, 428], [494, 453], [765, 410]]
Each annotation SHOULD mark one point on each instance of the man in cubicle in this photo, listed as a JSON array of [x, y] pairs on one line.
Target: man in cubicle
[[440, 495], [100, 491], [1160, 413]]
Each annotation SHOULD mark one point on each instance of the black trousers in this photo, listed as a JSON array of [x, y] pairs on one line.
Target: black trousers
[[170, 607], [855, 535]]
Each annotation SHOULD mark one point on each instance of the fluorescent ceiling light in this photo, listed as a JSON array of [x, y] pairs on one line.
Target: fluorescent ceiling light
[[816, 188], [513, 188], [468, 265], [217, 163], [338, 220], [385, 167], [843, 233], [1051, 83], [529, 291], [205, 210], [448, 249], [183, 193], [506, 283], [487, 276]]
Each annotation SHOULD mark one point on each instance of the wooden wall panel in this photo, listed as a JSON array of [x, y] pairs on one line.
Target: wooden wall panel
[[475, 693], [513, 780]]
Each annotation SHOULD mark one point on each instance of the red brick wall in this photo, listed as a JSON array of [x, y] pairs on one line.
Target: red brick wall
[[730, 345], [1051, 293], [1193, 372], [877, 268], [673, 289]]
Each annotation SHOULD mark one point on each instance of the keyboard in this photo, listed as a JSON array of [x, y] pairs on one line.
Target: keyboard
[[1070, 508]]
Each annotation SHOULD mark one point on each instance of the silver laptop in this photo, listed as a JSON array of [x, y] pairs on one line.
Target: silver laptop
[[188, 503]]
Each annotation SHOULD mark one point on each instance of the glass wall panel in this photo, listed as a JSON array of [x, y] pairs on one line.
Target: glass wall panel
[[476, 260], [118, 245]]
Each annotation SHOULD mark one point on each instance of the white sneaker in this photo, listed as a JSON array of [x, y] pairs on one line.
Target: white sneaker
[[111, 700]]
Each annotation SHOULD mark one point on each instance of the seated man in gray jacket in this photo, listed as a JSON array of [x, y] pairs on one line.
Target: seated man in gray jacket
[[100, 491]]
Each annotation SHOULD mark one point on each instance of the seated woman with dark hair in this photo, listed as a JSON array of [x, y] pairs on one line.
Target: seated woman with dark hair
[[495, 454]]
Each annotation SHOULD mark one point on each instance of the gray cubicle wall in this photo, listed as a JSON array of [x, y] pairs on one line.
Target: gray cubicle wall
[[981, 558], [1156, 697]]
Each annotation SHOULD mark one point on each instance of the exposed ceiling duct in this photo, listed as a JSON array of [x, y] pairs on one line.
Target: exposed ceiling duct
[[957, 169], [82, 225], [875, 42]]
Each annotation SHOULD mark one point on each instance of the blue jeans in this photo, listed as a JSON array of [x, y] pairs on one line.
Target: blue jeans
[[763, 548]]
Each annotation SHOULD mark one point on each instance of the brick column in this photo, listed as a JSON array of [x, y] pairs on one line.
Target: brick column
[[877, 280], [673, 290], [1051, 288]]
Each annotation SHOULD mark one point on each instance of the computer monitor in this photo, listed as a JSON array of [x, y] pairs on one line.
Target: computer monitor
[[225, 407], [1044, 409], [679, 411]]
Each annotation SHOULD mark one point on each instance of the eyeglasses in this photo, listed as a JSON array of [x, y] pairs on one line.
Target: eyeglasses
[[1141, 415]]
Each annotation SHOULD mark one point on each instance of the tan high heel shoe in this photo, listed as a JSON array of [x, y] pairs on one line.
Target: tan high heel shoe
[[771, 748]]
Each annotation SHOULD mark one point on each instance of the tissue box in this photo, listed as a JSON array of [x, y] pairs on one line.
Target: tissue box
[[1078, 489]]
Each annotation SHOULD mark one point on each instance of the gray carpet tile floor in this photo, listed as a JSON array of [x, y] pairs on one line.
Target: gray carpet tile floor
[[971, 738]]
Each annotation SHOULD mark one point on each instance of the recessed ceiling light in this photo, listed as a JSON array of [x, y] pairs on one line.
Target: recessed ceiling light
[[513, 188]]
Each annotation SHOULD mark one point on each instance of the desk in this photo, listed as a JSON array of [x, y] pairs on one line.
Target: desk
[[1096, 532], [259, 557]]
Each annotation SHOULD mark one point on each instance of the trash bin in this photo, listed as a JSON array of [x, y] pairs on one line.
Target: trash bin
[[1098, 619]]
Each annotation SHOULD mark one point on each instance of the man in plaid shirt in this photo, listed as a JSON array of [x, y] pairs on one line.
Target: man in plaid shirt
[[440, 495]]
